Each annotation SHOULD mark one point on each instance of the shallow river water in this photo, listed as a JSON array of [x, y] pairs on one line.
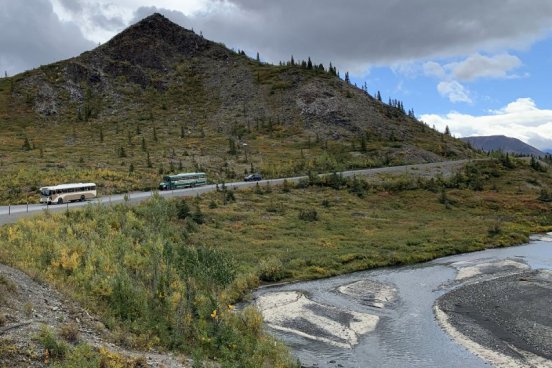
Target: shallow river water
[[384, 317]]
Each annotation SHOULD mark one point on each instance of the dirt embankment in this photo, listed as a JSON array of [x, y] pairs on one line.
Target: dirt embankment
[[26, 306]]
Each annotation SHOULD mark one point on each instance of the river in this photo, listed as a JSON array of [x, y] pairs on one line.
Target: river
[[385, 317]]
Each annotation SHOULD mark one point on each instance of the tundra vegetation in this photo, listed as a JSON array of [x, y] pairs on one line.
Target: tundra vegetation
[[166, 274], [122, 120], [133, 152]]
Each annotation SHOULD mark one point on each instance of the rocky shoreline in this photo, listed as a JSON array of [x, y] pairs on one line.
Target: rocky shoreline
[[506, 320]]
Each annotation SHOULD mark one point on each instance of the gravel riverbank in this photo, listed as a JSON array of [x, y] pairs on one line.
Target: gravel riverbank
[[506, 320]]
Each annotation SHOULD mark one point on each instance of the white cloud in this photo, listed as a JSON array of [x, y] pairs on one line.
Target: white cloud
[[480, 66], [472, 68], [521, 105], [454, 91], [520, 119], [433, 69]]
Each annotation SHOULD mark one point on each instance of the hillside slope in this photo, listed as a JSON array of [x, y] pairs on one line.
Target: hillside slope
[[158, 98]]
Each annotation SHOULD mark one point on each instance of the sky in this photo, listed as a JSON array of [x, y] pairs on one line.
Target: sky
[[478, 67]]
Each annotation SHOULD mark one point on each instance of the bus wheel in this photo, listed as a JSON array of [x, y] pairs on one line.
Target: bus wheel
[[60, 200], [82, 198]]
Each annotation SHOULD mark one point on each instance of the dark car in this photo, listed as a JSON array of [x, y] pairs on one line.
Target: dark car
[[253, 177]]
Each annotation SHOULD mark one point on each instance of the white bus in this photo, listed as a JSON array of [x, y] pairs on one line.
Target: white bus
[[67, 193]]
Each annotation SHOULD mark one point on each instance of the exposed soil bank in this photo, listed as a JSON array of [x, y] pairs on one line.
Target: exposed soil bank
[[506, 320], [26, 305]]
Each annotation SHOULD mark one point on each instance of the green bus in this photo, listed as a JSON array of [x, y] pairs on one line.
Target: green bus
[[183, 180]]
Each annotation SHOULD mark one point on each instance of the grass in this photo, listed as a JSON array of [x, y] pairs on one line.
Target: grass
[[384, 227], [166, 273], [187, 127]]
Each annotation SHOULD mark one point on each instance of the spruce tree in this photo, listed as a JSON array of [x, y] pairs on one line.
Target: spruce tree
[[26, 144]]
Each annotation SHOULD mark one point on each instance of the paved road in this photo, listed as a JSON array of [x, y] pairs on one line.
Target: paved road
[[10, 214]]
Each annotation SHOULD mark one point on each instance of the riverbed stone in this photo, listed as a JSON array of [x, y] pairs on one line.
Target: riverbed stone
[[509, 315]]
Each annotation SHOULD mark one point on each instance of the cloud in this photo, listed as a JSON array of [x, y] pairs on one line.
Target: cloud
[[454, 91], [468, 70], [98, 20], [433, 69], [374, 32], [479, 66], [31, 35], [520, 119], [353, 37], [102, 19]]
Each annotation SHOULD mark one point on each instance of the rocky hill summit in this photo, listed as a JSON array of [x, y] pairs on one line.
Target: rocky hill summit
[[154, 44]]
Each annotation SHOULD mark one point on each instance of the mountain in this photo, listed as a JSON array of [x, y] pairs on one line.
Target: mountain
[[502, 143], [159, 98]]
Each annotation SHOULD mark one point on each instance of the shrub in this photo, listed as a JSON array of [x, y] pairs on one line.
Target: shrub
[[198, 216], [495, 228], [285, 186], [258, 189], [271, 269], [69, 331], [309, 215], [7, 284], [82, 356], [230, 196], [182, 209], [275, 207], [241, 285], [545, 195], [55, 348]]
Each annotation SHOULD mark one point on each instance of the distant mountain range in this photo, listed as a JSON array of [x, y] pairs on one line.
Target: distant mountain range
[[502, 143]]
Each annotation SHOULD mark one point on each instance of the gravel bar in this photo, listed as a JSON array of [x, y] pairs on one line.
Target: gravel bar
[[508, 317]]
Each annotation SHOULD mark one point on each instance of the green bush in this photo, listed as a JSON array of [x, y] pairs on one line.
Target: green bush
[[308, 215], [82, 356], [182, 209], [55, 347], [271, 269], [545, 195]]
